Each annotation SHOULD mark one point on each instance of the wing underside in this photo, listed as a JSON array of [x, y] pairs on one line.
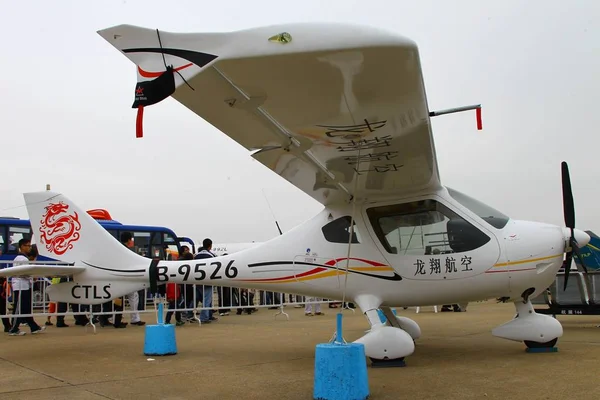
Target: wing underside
[[333, 103]]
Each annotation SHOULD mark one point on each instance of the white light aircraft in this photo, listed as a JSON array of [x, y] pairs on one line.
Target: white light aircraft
[[339, 111]]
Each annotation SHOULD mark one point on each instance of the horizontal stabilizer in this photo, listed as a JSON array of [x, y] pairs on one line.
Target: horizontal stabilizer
[[35, 270]]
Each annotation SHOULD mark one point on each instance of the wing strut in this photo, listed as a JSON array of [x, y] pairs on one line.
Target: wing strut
[[338, 337], [289, 143]]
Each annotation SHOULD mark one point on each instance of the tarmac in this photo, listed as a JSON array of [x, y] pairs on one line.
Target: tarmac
[[260, 356]]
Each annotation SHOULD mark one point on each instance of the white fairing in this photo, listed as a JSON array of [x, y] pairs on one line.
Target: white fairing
[[410, 326], [529, 325], [536, 327], [387, 342]]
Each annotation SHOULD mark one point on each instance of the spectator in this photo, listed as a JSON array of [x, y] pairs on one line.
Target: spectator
[[173, 297], [134, 297], [4, 294], [309, 307], [22, 294], [206, 315]]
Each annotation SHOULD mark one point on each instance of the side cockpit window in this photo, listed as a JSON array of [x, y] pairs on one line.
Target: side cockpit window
[[424, 227], [338, 231]]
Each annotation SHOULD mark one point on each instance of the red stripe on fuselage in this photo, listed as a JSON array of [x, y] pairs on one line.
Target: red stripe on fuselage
[[311, 272]]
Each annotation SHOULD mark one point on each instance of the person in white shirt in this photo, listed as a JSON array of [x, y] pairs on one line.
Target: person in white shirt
[[22, 294], [134, 297]]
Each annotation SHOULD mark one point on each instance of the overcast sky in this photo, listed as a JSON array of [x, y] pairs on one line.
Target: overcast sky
[[66, 116]]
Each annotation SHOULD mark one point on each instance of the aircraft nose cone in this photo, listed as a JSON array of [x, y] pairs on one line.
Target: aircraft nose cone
[[581, 237]]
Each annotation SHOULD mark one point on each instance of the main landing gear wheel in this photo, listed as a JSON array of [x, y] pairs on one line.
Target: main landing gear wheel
[[537, 345]]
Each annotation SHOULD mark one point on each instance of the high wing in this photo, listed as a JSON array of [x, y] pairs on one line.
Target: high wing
[[319, 104], [36, 270]]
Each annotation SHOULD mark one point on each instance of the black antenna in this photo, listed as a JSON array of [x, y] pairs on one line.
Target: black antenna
[[278, 228], [272, 213]]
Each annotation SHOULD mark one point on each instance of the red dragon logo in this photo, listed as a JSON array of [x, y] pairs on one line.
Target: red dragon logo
[[59, 229]]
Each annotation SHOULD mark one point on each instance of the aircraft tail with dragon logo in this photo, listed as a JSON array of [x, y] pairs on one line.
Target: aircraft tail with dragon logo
[[66, 233]]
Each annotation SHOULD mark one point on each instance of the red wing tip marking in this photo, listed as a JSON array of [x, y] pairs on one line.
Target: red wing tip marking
[[373, 263], [148, 74]]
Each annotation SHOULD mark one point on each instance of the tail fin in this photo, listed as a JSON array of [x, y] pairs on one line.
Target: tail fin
[[65, 232]]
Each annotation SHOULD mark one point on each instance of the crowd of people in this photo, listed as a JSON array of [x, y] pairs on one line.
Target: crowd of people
[[178, 296], [185, 296]]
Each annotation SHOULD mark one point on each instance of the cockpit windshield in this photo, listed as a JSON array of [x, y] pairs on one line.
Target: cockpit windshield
[[490, 215]]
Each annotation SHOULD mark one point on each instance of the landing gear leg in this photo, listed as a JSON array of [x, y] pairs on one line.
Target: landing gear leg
[[386, 346], [537, 331], [404, 323]]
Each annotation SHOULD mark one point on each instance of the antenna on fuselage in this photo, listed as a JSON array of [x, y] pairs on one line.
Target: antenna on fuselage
[[272, 213]]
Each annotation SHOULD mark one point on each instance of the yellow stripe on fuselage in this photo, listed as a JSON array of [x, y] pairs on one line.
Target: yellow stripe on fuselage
[[528, 260], [369, 269], [327, 274]]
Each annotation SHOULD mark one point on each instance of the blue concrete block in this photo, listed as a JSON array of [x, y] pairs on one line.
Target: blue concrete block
[[382, 317], [160, 340], [340, 372]]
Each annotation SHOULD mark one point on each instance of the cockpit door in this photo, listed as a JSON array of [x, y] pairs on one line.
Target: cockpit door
[[430, 239]]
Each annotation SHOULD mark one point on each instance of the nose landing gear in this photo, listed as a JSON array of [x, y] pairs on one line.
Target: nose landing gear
[[537, 331]]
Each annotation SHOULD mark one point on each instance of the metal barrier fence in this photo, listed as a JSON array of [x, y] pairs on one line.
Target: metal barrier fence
[[187, 304]]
